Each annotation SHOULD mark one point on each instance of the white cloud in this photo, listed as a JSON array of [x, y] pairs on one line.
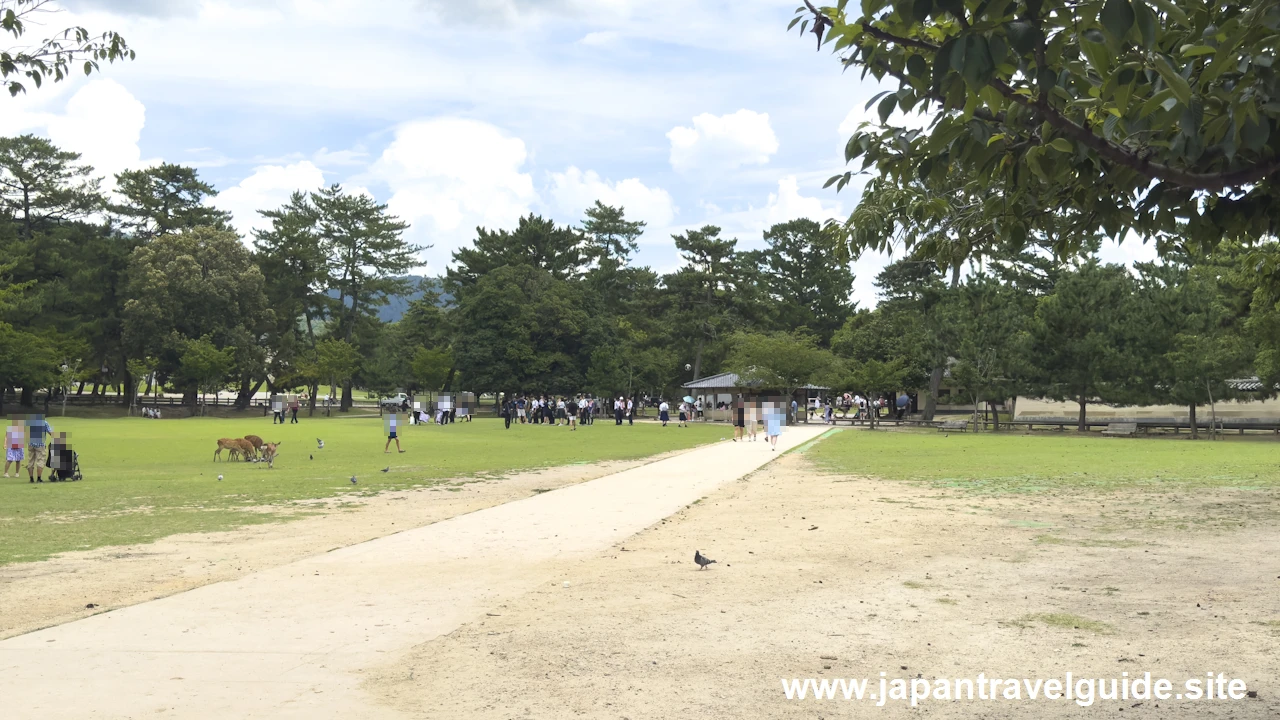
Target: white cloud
[[723, 142], [573, 191], [103, 122], [447, 176], [267, 188]]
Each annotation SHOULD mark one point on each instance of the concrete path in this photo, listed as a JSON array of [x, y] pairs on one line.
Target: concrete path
[[292, 642]]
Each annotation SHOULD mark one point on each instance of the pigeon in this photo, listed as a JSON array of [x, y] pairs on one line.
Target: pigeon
[[386, 469], [219, 478], [311, 457], [319, 444], [702, 560], [353, 479]]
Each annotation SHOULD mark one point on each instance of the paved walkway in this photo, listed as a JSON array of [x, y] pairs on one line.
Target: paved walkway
[[292, 642]]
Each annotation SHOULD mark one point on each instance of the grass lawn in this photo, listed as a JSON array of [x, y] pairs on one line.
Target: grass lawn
[[145, 479], [1004, 463]]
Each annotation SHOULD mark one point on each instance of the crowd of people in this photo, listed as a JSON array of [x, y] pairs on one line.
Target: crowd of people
[[862, 408]]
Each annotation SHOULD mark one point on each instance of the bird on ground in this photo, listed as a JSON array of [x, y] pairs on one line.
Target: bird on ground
[[311, 457], [386, 469], [353, 479], [702, 560], [319, 444]]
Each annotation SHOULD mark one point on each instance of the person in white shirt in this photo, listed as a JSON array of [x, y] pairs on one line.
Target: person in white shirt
[[664, 413], [631, 412]]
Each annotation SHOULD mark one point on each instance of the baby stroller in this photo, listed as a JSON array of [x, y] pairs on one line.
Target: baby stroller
[[64, 463]]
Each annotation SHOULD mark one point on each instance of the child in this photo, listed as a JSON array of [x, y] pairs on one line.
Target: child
[[392, 421], [13, 446]]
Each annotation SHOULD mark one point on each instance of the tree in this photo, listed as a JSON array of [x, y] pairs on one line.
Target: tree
[[191, 285], [369, 257], [430, 367], [1082, 337], [809, 287], [206, 366], [54, 57], [536, 241], [989, 361], [702, 289], [166, 199], [875, 376], [335, 362], [1127, 114], [780, 360], [41, 185]]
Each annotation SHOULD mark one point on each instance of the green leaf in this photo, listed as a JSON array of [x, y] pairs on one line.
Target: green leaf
[[1094, 35], [1061, 145], [917, 67], [1173, 12], [794, 21], [1146, 23], [1178, 84], [1155, 102], [874, 99], [1023, 36], [1255, 133], [1097, 52], [978, 66], [1117, 17], [886, 108], [921, 9], [942, 63], [955, 7], [1191, 51]]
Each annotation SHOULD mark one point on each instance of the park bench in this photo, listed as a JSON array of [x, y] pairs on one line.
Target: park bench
[[1033, 420], [961, 425], [1120, 429]]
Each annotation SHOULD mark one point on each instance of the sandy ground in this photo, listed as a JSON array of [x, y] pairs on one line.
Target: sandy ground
[[826, 576], [59, 590]]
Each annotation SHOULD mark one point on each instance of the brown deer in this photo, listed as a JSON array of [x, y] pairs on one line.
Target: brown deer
[[257, 441], [269, 453], [231, 445], [247, 449]]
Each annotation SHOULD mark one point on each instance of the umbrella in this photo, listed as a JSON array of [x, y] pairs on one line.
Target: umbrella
[[687, 398]]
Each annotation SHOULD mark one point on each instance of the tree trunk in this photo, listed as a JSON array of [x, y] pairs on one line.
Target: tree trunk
[[27, 399], [1083, 426], [1195, 431], [245, 398], [80, 390], [1213, 414], [190, 396], [346, 397], [931, 400], [995, 416], [697, 358], [311, 404]]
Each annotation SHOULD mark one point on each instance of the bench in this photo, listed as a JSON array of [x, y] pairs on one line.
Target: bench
[[1120, 429], [1031, 421], [961, 425]]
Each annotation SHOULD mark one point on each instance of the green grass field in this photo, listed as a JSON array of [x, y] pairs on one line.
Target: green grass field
[[145, 479], [1002, 463]]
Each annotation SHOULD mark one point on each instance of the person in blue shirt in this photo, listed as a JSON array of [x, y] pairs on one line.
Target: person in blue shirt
[[38, 430]]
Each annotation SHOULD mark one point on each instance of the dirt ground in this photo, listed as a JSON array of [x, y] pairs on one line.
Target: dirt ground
[[62, 589], [829, 576]]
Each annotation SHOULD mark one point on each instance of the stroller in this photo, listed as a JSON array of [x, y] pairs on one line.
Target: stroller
[[64, 463]]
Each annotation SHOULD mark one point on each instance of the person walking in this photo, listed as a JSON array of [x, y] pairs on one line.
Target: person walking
[[294, 405], [617, 411], [664, 413], [571, 415], [392, 423], [14, 439], [506, 413], [684, 414], [772, 426], [631, 412], [739, 417], [38, 430]]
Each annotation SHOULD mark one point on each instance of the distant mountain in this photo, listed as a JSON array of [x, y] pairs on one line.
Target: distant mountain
[[398, 305]]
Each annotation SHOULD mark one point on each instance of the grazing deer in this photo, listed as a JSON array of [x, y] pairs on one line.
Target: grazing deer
[[231, 445], [257, 441], [269, 453], [247, 449]]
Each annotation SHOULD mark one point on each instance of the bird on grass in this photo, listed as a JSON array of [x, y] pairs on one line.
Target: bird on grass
[[386, 469], [311, 457], [353, 480], [702, 560], [319, 444]]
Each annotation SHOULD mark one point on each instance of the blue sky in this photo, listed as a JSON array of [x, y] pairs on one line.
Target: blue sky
[[464, 113]]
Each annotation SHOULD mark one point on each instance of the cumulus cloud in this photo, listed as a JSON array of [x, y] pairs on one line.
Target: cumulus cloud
[[447, 176], [267, 188], [724, 142], [573, 191], [103, 122]]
